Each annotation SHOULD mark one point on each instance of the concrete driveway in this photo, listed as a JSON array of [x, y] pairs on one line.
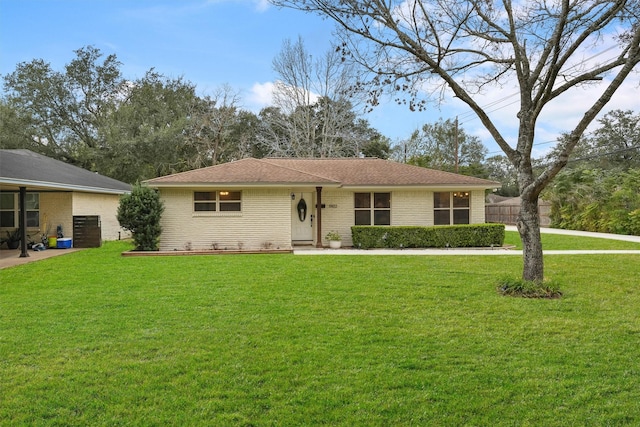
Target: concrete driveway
[[11, 257]]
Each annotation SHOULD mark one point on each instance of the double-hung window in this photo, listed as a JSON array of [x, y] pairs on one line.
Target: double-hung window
[[217, 201], [372, 208], [451, 208], [9, 210]]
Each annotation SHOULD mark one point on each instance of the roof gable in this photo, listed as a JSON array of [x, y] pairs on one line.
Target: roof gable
[[26, 168]]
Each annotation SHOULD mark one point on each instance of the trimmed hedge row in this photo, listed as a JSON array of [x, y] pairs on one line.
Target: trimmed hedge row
[[453, 236]]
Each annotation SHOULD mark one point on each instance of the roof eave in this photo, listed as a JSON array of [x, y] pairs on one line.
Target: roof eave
[[451, 187], [239, 184], [35, 185]]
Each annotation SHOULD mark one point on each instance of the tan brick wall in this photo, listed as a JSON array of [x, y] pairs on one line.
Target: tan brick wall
[[265, 219], [105, 206], [408, 207], [477, 207], [56, 209], [412, 208], [337, 214]]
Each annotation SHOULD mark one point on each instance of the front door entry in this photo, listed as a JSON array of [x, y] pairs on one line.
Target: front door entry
[[302, 218]]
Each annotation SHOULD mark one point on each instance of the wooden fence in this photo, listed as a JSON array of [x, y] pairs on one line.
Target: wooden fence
[[506, 213]]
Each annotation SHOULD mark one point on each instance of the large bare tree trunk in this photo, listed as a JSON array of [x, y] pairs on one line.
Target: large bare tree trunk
[[529, 228]]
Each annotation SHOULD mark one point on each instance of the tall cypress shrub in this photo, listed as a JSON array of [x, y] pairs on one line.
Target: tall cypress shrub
[[140, 212]]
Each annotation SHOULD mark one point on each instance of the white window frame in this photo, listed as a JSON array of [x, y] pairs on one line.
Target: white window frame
[[32, 202]]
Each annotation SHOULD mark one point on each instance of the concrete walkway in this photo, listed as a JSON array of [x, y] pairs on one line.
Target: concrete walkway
[[484, 251], [453, 252], [583, 234]]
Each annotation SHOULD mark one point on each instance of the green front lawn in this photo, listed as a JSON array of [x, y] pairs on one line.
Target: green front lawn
[[563, 242], [95, 338]]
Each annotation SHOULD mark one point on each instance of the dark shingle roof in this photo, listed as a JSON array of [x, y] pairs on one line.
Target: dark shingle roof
[[349, 172], [26, 168]]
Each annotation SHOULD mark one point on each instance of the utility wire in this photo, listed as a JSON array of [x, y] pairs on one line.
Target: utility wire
[[471, 116], [595, 156], [535, 145]]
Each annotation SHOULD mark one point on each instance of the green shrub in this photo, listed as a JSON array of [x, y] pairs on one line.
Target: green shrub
[[140, 213], [605, 201], [528, 289], [453, 236]]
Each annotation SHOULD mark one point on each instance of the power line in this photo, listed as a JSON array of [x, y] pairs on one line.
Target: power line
[[536, 144], [595, 156], [471, 116]]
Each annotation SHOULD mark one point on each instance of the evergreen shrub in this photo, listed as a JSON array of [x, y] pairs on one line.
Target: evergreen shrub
[[453, 236], [140, 212]]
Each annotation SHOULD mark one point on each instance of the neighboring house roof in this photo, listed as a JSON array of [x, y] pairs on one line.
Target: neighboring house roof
[[347, 172], [24, 168]]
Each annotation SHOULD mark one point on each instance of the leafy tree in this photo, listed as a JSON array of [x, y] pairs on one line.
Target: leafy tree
[[446, 146], [616, 143], [377, 145], [145, 136], [67, 109], [17, 129], [140, 212], [613, 145], [244, 135], [426, 47], [90, 116], [499, 168]]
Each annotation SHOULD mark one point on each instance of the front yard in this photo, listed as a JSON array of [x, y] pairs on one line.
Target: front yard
[[96, 338]]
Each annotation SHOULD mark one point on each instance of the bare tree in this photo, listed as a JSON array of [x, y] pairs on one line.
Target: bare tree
[[316, 102], [545, 47], [212, 121]]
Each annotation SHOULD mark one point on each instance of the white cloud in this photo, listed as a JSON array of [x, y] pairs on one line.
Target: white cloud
[[558, 117], [260, 95], [262, 5]]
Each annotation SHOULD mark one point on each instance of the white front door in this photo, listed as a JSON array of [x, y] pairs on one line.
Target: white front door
[[301, 214]]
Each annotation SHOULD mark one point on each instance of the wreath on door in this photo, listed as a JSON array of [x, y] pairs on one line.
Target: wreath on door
[[302, 210]]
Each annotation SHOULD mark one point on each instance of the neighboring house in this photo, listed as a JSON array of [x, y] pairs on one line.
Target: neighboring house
[[280, 203], [58, 194]]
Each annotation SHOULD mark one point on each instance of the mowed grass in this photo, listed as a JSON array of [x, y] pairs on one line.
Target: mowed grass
[[93, 338], [562, 242]]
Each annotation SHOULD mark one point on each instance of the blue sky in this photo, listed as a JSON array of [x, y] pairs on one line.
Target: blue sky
[[212, 43]]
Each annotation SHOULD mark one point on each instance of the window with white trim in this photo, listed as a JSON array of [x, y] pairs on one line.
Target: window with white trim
[[217, 201], [372, 208], [451, 208], [10, 210]]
